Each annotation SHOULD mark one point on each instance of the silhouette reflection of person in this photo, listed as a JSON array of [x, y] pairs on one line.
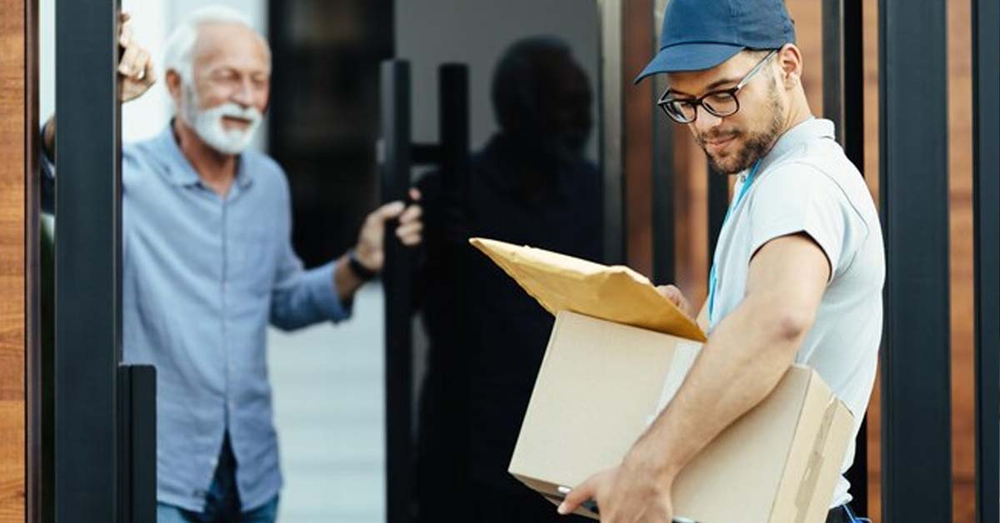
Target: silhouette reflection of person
[[530, 184]]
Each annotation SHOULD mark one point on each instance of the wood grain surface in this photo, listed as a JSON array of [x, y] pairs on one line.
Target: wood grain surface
[[12, 260]]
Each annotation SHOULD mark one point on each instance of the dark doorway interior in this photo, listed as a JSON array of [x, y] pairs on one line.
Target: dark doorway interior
[[324, 115]]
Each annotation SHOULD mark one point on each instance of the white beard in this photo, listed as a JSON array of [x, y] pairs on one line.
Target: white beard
[[207, 123]]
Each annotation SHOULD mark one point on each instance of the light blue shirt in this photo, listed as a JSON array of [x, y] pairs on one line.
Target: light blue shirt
[[202, 277], [806, 185]]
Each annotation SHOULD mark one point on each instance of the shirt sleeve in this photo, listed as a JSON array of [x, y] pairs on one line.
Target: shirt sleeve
[[131, 165], [47, 173], [303, 297], [798, 199]]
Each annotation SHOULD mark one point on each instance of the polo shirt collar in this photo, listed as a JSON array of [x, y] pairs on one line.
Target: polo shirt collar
[[806, 131]]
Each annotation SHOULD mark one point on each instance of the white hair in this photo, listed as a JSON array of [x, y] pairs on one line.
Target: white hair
[[180, 43]]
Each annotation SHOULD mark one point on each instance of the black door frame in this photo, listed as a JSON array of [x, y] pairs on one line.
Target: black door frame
[[843, 103], [986, 183], [916, 355], [88, 262], [104, 412]]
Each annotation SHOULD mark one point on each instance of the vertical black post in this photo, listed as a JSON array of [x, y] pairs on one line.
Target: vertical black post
[[853, 71], [986, 174], [396, 278], [134, 480], [843, 103], [843, 74], [88, 262], [612, 132], [453, 104], [664, 210], [124, 477], [852, 58], [137, 443], [38, 298], [453, 93], [453, 100], [916, 356], [833, 64], [664, 238]]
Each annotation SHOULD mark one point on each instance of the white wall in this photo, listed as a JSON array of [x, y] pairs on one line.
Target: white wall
[[431, 32]]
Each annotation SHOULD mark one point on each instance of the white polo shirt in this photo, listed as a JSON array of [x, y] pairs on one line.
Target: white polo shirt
[[806, 184]]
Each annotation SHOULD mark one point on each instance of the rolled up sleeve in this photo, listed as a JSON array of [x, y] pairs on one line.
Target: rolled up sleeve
[[303, 297], [799, 199]]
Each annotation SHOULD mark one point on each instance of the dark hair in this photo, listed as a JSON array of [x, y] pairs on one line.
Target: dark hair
[[519, 75], [760, 53]]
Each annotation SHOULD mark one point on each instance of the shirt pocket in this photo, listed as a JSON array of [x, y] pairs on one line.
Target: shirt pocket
[[254, 255]]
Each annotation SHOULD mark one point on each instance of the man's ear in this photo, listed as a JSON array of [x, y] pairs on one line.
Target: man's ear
[[790, 61], [174, 84]]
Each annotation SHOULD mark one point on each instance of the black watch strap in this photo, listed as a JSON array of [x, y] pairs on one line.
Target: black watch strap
[[359, 270]]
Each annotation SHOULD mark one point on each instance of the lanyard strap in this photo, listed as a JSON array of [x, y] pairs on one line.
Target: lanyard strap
[[712, 278], [854, 518]]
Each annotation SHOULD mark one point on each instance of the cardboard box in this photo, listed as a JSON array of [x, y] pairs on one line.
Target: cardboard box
[[601, 384], [777, 464]]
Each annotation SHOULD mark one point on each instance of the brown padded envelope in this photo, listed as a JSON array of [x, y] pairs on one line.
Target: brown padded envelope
[[565, 283]]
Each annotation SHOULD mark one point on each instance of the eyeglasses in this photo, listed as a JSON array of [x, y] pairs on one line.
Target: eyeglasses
[[720, 103]]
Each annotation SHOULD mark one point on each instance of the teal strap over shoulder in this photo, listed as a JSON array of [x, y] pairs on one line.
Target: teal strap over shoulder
[[712, 279]]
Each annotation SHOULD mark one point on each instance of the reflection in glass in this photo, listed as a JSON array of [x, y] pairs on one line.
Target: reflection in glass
[[530, 184]]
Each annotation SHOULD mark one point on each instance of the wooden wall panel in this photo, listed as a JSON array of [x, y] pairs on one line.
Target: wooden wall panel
[[960, 199], [638, 113], [12, 260], [871, 170], [961, 256]]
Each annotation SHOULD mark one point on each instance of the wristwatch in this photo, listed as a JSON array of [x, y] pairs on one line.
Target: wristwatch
[[359, 270]]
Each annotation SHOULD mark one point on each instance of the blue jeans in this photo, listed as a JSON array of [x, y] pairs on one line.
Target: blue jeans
[[222, 501]]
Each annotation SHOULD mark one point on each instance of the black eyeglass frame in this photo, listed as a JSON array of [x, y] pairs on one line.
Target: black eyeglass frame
[[665, 100]]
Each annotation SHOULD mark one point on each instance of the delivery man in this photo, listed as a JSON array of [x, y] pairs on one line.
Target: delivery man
[[799, 265]]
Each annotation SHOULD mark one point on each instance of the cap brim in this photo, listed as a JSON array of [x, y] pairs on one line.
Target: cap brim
[[689, 57]]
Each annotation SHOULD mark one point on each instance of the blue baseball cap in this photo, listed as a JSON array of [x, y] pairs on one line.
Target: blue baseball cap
[[701, 34]]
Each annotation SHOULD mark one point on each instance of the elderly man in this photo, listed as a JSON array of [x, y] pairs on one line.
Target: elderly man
[[208, 263], [799, 263]]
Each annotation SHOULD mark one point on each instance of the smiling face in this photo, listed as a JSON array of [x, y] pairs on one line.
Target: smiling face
[[734, 143], [228, 91]]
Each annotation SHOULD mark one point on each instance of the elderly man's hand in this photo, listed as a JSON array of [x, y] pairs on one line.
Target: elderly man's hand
[[633, 492], [370, 250], [135, 69], [135, 76]]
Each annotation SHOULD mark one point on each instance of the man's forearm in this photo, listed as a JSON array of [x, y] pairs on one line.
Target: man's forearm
[[741, 363], [346, 282]]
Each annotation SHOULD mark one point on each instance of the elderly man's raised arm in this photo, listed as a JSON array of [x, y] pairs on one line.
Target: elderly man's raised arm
[[136, 75]]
